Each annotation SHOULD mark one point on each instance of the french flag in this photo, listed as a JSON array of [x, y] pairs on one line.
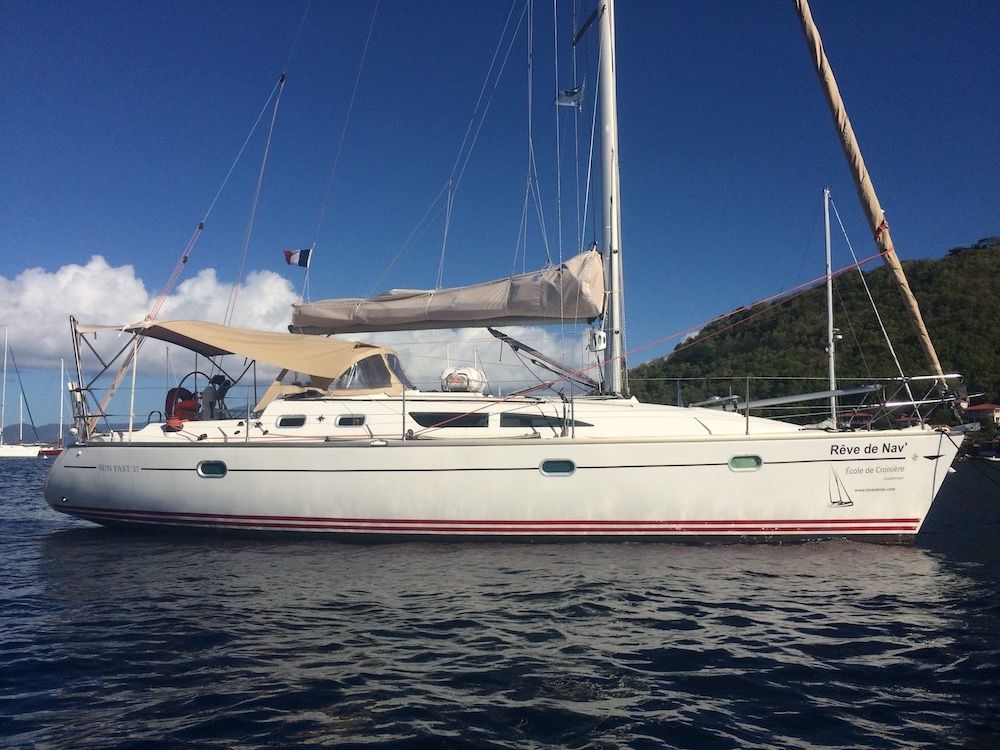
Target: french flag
[[298, 257]]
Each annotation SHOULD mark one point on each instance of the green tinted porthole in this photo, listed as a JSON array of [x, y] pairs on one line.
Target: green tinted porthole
[[745, 463], [212, 469], [557, 467]]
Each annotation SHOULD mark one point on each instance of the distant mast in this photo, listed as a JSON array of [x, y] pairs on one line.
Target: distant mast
[[866, 191], [615, 379], [62, 398], [3, 394]]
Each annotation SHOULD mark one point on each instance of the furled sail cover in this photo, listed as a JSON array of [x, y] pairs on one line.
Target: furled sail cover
[[572, 292]]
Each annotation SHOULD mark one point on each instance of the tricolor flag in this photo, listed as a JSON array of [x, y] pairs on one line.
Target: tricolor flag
[[298, 257], [570, 97]]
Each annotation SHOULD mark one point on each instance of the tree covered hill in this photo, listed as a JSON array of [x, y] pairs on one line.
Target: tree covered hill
[[959, 296]]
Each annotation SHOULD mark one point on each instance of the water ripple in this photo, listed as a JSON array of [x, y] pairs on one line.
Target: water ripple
[[119, 641]]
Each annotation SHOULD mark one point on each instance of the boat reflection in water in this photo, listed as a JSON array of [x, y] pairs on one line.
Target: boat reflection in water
[[548, 643]]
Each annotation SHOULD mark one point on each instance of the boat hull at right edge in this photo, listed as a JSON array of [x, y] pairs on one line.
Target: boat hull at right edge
[[798, 485]]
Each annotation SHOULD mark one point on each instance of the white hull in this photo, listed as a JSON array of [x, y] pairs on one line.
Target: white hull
[[19, 451], [818, 484]]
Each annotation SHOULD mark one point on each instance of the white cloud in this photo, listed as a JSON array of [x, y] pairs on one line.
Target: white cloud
[[35, 305], [263, 302]]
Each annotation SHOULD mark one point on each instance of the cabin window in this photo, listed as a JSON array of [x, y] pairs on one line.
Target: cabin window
[[515, 419], [212, 469], [351, 420], [297, 420], [370, 372], [745, 463], [557, 467], [397, 369], [449, 419]]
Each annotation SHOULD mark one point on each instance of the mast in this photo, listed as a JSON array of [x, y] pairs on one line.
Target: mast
[[866, 191], [831, 344], [615, 378]]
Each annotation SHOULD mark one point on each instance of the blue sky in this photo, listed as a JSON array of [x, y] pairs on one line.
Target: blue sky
[[120, 120]]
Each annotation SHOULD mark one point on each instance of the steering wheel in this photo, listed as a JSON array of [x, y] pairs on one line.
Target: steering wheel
[[194, 375]]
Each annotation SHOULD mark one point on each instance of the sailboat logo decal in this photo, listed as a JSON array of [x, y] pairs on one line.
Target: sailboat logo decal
[[839, 497]]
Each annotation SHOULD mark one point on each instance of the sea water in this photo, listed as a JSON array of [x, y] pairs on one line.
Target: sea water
[[118, 640]]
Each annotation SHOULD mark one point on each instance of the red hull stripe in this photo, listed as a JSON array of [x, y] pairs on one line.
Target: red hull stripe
[[758, 526], [473, 522]]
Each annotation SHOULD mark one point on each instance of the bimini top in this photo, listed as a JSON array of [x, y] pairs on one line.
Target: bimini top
[[571, 292], [311, 355]]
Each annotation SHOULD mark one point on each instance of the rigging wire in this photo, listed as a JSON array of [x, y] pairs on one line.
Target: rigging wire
[[529, 185], [343, 136], [871, 299], [477, 120], [181, 262], [576, 106], [298, 33], [532, 185], [231, 308], [523, 228], [193, 240], [295, 42], [529, 122], [186, 253], [539, 209], [806, 251], [522, 237], [421, 224], [555, 56], [590, 167], [778, 298], [993, 479], [20, 384], [854, 333], [558, 154], [576, 144]]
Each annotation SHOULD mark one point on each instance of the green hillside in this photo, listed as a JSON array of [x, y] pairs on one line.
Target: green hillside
[[959, 296]]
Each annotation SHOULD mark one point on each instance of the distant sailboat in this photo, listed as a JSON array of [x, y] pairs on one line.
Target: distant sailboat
[[18, 449]]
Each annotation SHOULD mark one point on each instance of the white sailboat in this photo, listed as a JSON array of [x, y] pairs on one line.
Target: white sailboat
[[19, 449], [350, 447]]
